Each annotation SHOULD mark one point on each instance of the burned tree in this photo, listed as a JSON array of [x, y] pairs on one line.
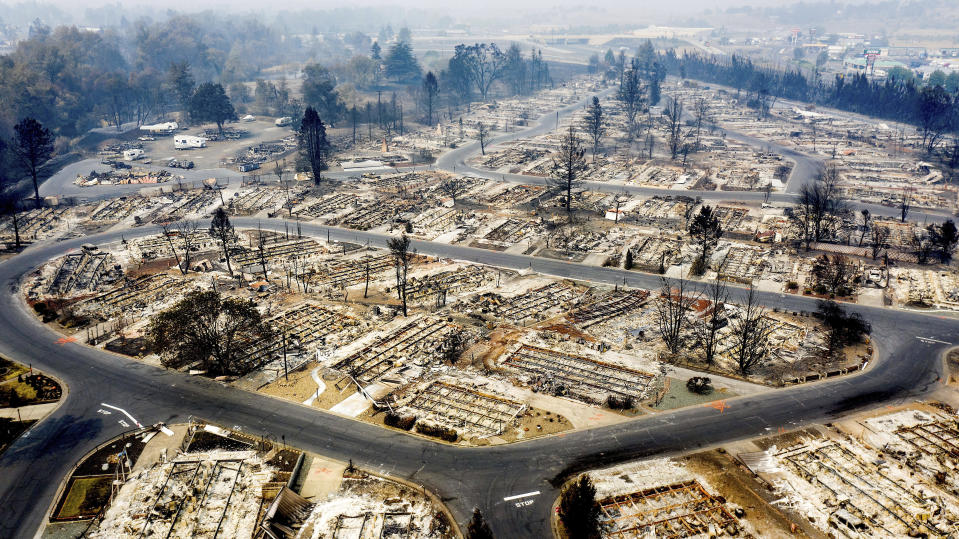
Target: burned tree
[[921, 245], [701, 111], [675, 135], [708, 326], [568, 164], [672, 311], [631, 95], [261, 252], [750, 335], [705, 230], [595, 124], [819, 211], [314, 144], [206, 329], [431, 90], [482, 135], [833, 276], [402, 258], [905, 204], [169, 234], [187, 230], [481, 63], [451, 187], [878, 240], [33, 145], [842, 328], [222, 230], [866, 224], [278, 170], [366, 276]]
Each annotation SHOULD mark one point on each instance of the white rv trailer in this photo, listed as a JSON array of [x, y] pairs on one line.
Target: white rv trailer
[[132, 154], [185, 142], [164, 128]]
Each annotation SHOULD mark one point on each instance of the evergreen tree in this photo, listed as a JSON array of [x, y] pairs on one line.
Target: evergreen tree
[[705, 230], [578, 509], [431, 89], [401, 65], [222, 230], [211, 104], [180, 78], [319, 92], [33, 145], [313, 143], [478, 528]]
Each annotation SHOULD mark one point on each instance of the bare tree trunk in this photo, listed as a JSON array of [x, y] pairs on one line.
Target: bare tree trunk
[[167, 234], [16, 227], [672, 309], [366, 288]]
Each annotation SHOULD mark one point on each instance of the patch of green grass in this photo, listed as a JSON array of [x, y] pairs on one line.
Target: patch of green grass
[[87, 496], [10, 369], [678, 396]]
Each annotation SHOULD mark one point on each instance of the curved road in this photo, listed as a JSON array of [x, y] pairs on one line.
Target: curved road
[[465, 478]]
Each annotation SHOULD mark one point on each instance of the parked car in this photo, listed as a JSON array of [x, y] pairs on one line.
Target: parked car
[[180, 163]]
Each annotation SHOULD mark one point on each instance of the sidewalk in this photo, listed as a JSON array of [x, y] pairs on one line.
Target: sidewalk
[[29, 413]]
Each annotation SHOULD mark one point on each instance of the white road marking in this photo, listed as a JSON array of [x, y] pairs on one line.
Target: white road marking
[[518, 496], [931, 340], [124, 412]]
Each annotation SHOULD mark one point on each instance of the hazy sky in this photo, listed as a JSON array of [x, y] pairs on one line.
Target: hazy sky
[[630, 8]]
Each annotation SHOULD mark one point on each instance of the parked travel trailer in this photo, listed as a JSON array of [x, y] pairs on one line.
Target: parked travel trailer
[[132, 154], [184, 142], [161, 129]]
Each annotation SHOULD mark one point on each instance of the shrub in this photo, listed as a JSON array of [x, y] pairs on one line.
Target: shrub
[[701, 385], [400, 422], [45, 311], [437, 431], [619, 403], [699, 266]]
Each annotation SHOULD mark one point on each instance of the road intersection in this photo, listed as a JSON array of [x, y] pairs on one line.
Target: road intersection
[[514, 485]]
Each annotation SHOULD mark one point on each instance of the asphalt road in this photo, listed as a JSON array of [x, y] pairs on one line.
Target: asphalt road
[[805, 169], [464, 478]]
